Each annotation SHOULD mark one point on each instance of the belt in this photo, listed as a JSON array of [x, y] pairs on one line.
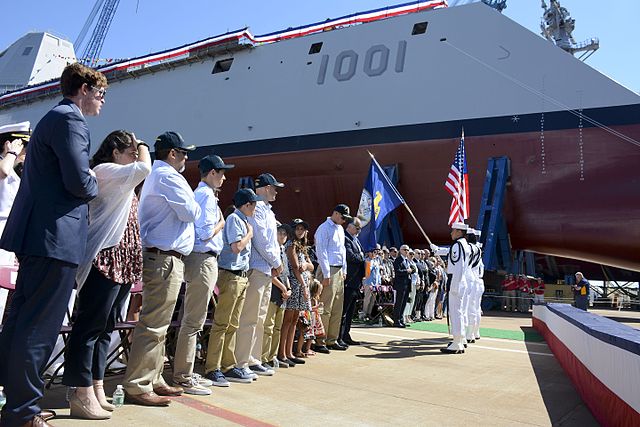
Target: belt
[[161, 252], [212, 253], [239, 273], [335, 266]]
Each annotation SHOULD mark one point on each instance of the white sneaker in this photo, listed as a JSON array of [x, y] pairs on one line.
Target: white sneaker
[[191, 386], [202, 380], [248, 372]]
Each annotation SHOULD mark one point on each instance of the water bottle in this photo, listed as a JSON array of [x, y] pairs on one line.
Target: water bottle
[[3, 398], [198, 351], [118, 397], [380, 320]]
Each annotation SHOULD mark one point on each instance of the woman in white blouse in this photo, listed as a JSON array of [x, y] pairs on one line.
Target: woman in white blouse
[[112, 263]]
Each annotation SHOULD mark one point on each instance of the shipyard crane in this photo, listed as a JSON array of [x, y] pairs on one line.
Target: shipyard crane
[[91, 54], [557, 26], [498, 5]]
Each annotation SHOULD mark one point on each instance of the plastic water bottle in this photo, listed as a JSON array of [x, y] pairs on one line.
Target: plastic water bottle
[[380, 320], [3, 398], [118, 397], [198, 351]]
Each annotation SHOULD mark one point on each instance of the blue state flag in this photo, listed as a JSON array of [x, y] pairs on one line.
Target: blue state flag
[[379, 197]]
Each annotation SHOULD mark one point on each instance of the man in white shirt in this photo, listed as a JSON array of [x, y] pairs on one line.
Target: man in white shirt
[[167, 212], [264, 263], [332, 270], [201, 274]]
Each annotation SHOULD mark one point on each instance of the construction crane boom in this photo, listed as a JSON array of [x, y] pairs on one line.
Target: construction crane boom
[[91, 53]]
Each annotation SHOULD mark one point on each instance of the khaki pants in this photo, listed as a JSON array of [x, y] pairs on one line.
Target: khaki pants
[[162, 275], [222, 339], [251, 327], [272, 328], [201, 274], [332, 297], [369, 300]]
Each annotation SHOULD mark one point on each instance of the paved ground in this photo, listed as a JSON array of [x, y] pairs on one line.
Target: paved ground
[[397, 377]]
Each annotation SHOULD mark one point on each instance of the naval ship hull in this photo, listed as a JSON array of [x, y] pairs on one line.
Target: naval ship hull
[[307, 108]]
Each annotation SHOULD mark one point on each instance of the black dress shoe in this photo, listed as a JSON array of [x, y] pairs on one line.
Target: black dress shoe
[[343, 344], [449, 351], [337, 346], [320, 349], [399, 325], [349, 341]]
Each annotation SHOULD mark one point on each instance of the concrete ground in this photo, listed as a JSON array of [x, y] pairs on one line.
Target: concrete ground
[[396, 377]]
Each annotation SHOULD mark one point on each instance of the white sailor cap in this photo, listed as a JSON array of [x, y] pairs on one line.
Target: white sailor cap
[[17, 130], [459, 226], [477, 232]]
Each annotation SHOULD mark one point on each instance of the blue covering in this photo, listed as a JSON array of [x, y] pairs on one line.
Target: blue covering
[[604, 329]]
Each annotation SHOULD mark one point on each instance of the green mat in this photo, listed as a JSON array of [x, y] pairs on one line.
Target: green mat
[[484, 332]]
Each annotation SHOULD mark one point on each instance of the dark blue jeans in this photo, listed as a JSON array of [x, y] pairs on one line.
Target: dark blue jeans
[[38, 307], [99, 302]]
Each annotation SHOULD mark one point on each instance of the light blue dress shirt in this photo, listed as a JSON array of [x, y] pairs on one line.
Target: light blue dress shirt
[[330, 248], [206, 222], [167, 210], [265, 250], [235, 228]]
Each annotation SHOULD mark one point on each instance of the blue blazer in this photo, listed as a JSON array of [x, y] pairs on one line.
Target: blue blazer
[[50, 216], [355, 262]]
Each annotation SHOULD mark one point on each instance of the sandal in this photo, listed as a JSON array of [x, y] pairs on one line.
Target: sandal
[[310, 353]]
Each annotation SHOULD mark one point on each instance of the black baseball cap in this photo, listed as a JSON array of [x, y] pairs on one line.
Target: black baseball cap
[[211, 162], [267, 179], [343, 210], [169, 140], [299, 221], [244, 196]]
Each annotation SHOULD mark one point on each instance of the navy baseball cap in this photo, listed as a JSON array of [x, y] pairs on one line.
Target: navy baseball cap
[[244, 196], [267, 179], [211, 162], [343, 210], [169, 140]]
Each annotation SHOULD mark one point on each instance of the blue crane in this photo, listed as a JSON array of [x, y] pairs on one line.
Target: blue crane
[[91, 54]]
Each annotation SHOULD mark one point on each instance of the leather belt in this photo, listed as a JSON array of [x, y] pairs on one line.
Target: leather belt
[[239, 273], [212, 253], [161, 252], [336, 266]]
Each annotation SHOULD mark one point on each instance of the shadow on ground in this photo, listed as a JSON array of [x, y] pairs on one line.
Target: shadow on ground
[[409, 348], [563, 404]]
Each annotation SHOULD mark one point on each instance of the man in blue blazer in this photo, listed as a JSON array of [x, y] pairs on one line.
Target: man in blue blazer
[[353, 282], [47, 230]]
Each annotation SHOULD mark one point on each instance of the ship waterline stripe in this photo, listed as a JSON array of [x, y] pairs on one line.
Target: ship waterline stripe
[[555, 121]]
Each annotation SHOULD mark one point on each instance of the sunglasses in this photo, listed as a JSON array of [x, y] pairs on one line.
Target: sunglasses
[[100, 92]]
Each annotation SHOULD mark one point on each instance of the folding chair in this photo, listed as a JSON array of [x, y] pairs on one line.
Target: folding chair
[[8, 276], [385, 297], [54, 368], [123, 330]]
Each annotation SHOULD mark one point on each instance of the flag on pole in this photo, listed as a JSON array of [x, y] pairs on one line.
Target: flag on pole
[[457, 185], [379, 197]]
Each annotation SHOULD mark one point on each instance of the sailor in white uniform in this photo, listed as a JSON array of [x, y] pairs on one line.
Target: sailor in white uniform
[[13, 138], [458, 264], [475, 286]]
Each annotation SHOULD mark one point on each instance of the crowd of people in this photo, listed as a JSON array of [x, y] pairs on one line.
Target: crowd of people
[[281, 294], [519, 291]]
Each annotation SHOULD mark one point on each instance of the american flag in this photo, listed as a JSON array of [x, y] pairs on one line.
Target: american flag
[[458, 186]]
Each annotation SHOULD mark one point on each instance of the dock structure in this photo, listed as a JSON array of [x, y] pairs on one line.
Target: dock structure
[[396, 377]]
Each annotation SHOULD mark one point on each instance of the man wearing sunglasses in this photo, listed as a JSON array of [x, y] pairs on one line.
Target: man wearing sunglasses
[[47, 230], [167, 212]]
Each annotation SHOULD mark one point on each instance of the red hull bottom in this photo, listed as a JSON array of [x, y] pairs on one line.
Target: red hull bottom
[[566, 198]]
